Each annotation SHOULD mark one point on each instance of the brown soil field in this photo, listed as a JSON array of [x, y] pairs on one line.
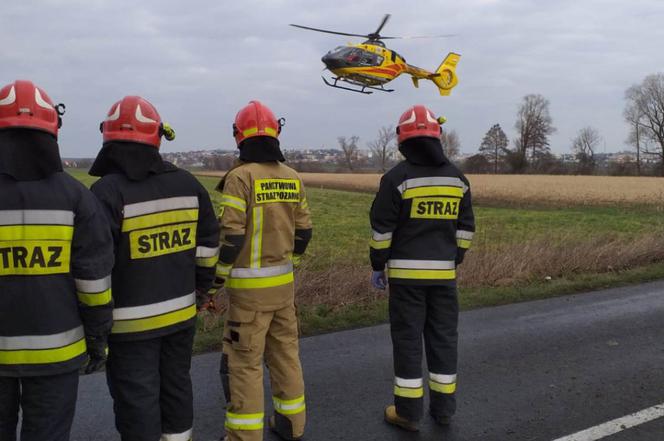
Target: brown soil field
[[511, 190]]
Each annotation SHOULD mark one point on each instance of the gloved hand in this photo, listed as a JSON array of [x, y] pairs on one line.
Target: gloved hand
[[204, 300], [379, 280], [97, 354], [297, 260], [461, 253]]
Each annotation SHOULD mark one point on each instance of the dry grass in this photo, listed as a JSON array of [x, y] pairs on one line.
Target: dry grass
[[518, 190]]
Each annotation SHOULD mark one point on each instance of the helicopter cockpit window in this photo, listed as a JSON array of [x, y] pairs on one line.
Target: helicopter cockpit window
[[357, 56]]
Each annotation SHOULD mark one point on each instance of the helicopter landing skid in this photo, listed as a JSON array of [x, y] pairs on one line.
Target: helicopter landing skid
[[363, 87]]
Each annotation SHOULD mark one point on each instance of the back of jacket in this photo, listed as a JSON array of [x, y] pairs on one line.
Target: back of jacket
[[56, 256], [166, 247], [265, 221], [422, 221]]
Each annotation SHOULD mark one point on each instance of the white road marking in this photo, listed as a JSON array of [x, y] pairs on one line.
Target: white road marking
[[618, 425]]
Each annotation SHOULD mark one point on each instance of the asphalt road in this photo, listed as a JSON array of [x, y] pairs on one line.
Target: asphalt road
[[528, 372]]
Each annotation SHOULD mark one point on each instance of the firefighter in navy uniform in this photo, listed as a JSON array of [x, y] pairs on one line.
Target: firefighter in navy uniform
[[266, 226], [166, 248], [422, 221], [56, 256]]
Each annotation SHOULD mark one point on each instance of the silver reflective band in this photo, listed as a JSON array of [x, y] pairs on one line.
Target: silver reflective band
[[184, 436], [243, 421], [408, 382], [421, 264], [431, 182], [442, 378], [136, 312], [36, 217], [286, 407], [36, 342], [461, 234], [159, 205], [269, 271], [381, 236], [206, 251], [92, 286]]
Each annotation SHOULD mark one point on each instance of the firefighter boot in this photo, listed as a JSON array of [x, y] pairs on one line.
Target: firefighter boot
[[282, 428], [391, 417]]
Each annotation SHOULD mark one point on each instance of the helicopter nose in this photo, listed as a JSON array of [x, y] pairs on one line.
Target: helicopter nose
[[331, 61]]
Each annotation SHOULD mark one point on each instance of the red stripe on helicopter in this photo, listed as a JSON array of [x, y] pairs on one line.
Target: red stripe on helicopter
[[383, 70]]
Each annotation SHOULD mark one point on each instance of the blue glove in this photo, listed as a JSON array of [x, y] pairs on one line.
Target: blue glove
[[379, 280]]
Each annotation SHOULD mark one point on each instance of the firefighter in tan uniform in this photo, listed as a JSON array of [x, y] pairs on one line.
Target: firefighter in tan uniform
[[266, 227]]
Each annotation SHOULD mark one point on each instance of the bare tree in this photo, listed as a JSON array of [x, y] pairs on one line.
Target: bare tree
[[534, 125], [633, 117], [349, 148], [647, 99], [383, 146], [584, 146], [494, 146], [451, 144]]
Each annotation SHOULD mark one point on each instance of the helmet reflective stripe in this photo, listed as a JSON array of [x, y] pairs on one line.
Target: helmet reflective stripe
[[10, 98], [410, 120], [115, 115], [140, 117], [430, 117], [40, 101]]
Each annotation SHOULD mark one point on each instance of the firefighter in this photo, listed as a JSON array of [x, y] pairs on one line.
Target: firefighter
[[266, 226], [422, 221], [56, 256], [166, 248]]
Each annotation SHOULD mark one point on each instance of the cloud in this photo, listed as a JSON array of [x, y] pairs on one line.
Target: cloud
[[198, 62]]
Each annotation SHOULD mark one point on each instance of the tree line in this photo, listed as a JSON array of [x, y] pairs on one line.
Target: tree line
[[530, 150]]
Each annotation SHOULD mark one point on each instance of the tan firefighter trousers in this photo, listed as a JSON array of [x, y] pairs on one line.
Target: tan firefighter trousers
[[247, 336]]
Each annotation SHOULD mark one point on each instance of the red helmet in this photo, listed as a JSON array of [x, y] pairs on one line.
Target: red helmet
[[133, 119], [256, 119], [418, 121], [22, 104]]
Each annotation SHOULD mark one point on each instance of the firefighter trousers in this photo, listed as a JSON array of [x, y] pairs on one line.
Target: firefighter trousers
[[432, 312], [151, 387], [249, 338], [47, 405]]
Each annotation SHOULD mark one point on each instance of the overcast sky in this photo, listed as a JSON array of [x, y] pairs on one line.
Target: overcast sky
[[200, 61]]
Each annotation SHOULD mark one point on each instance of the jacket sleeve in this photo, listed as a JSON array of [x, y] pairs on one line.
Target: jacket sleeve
[[465, 223], [233, 222], [384, 218], [92, 263], [303, 226], [207, 241]]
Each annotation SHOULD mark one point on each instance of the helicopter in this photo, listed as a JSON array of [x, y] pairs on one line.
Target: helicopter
[[370, 65]]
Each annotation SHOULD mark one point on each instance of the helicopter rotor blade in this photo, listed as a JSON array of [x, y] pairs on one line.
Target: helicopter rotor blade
[[329, 32], [419, 36], [382, 25]]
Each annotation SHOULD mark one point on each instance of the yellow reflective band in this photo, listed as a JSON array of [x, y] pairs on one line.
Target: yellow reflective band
[[276, 190], [270, 131], [304, 204], [289, 407], [97, 299], [153, 242], [233, 202], [207, 262], [250, 131], [257, 238], [34, 258], [442, 388], [43, 356], [380, 244], [463, 243], [407, 392], [223, 270], [36, 232], [247, 421], [260, 282], [157, 219], [157, 322], [441, 190], [399, 273]]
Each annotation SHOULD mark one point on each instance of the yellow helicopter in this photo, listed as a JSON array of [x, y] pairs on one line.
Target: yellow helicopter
[[370, 65]]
